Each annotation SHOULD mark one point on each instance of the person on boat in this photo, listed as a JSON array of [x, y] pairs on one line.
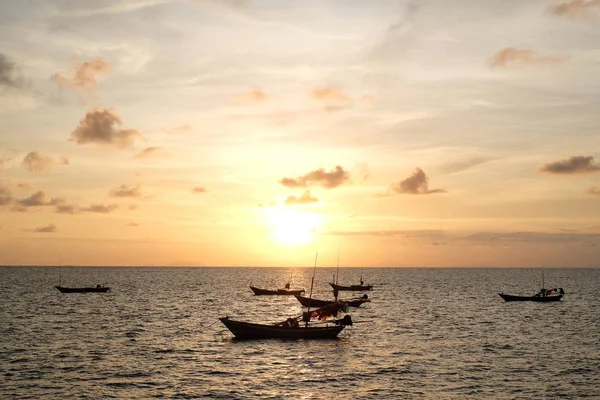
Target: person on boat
[[98, 286]]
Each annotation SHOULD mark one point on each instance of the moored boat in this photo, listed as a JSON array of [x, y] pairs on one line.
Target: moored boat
[[276, 292], [362, 287], [286, 330], [96, 289], [308, 302], [543, 296]]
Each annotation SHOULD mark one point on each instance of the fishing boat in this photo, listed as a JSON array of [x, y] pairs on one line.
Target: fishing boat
[[308, 302], [299, 327], [357, 288], [289, 329], [92, 289], [277, 292], [543, 296]]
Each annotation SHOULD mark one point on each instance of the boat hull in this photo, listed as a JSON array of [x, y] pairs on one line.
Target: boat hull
[[248, 330], [537, 299], [278, 292], [308, 302], [356, 288], [102, 289]]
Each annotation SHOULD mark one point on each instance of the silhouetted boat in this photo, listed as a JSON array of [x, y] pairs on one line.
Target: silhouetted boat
[[357, 288], [277, 292], [286, 330], [308, 302], [96, 289], [543, 296]]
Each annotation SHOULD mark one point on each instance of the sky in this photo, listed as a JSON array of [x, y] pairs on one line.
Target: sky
[[258, 133]]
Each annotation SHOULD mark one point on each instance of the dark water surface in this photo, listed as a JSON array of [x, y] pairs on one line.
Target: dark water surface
[[428, 334]]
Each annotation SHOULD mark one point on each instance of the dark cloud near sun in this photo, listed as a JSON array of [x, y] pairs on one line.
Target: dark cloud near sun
[[101, 127], [510, 57], [303, 199], [329, 180], [126, 191], [417, 183], [10, 75], [37, 162], [571, 165]]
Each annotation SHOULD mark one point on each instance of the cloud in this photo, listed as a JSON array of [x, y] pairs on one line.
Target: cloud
[[593, 191], [5, 195], [83, 77], [100, 127], [254, 96], [532, 237], [183, 128], [331, 98], [417, 183], [199, 189], [126, 191], [36, 200], [328, 180], [37, 162], [577, 8], [64, 160], [100, 208], [304, 198], [4, 160], [511, 56], [150, 152], [66, 209], [45, 229], [459, 166], [429, 234], [133, 224], [10, 76], [571, 165]]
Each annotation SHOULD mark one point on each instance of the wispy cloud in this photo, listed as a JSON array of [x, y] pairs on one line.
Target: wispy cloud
[[532, 237], [417, 183], [331, 98], [5, 160], [571, 165], [594, 191], [118, 7], [510, 56], [254, 96], [199, 189], [5, 195], [303, 199], [37, 162], [577, 8], [101, 127], [178, 129], [459, 166], [328, 180], [126, 191], [45, 229], [83, 77], [151, 152], [100, 208]]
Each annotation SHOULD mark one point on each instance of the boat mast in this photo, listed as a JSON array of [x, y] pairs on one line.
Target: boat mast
[[312, 282], [60, 269]]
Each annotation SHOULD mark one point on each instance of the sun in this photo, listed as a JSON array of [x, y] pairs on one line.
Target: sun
[[293, 227]]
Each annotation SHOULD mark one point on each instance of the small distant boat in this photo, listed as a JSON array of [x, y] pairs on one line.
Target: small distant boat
[[289, 329], [277, 292], [357, 288], [308, 302], [92, 289], [543, 296]]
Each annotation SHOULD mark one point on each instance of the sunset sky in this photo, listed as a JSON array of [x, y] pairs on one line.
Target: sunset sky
[[256, 133]]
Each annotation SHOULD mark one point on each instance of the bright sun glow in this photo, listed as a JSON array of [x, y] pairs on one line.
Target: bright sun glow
[[293, 227]]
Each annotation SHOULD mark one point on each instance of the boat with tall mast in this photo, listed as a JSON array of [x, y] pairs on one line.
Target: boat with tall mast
[[542, 296], [89, 289]]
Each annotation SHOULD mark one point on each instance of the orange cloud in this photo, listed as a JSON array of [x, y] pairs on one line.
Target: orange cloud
[[150, 152], [577, 8], [199, 189], [83, 77], [328, 180], [37, 162], [100, 208], [571, 165], [304, 198], [126, 191], [100, 127], [45, 229], [5, 196], [331, 98], [417, 183], [511, 56], [254, 96], [593, 190]]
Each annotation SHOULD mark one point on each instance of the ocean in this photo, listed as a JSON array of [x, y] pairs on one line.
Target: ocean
[[429, 333]]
